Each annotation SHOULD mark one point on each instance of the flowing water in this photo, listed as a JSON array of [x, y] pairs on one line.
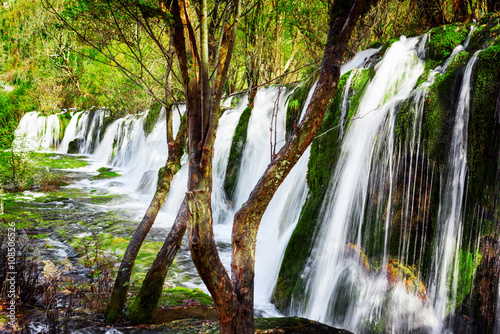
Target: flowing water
[[339, 288], [333, 275], [450, 224]]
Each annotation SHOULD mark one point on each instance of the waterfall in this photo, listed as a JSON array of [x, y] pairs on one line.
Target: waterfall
[[222, 145], [370, 134], [37, 132], [379, 193], [450, 224]]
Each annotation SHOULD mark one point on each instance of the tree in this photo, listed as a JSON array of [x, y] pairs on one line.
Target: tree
[[105, 27], [233, 297], [203, 62]]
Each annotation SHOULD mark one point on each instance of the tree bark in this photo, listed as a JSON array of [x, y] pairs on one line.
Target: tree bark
[[120, 289], [247, 219], [202, 126], [142, 309]]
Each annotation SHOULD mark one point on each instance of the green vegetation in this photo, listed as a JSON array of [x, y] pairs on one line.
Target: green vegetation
[[439, 106], [444, 39], [296, 102], [177, 296], [151, 118], [23, 170], [106, 173], [467, 266], [482, 146]]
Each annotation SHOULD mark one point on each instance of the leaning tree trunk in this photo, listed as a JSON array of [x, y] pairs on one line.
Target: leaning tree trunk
[[120, 289], [142, 309], [247, 219]]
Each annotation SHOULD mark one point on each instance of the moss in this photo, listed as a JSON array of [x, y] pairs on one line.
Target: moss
[[487, 32], [324, 153], [484, 140], [105, 124], [444, 39], [105, 173], [152, 118], [467, 266], [177, 295], [235, 154], [57, 161], [296, 102], [439, 108]]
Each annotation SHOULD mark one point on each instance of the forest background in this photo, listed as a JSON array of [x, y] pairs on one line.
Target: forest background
[[47, 66]]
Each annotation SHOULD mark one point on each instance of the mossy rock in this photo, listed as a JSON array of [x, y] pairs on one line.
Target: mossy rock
[[236, 152], [64, 119], [295, 103], [444, 39], [440, 108], [295, 325], [105, 124], [75, 145], [106, 173], [177, 296], [484, 141], [487, 32], [152, 118]]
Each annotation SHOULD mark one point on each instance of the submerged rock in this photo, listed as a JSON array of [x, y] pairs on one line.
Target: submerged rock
[[75, 145]]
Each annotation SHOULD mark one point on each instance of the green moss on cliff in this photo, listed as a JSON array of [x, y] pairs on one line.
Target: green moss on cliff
[[467, 266], [444, 39], [235, 154], [152, 118], [296, 102], [487, 32], [483, 142], [64, 119], [440, 107]]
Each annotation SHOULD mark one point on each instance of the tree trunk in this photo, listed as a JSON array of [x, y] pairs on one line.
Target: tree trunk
[[142, 309], [166, 174], [206, 258], [460, 9], [247, 219]]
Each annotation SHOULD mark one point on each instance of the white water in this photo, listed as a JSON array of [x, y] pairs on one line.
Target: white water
[[336, 282], [333, 275], [37, 132], [450, 224]]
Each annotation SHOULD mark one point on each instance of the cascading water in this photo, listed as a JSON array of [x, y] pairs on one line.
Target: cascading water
[[450, 223], [37, 132], [335, 278], [283, 212], [372, 167], [371, 175]]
